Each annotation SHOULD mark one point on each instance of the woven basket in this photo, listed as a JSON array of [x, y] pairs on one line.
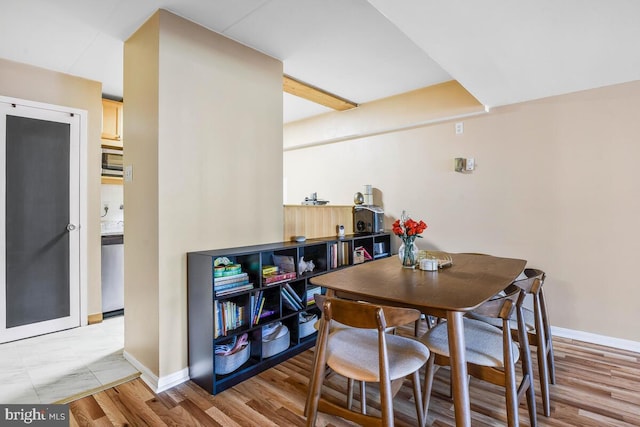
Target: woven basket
[[227, 364], [271, 348]]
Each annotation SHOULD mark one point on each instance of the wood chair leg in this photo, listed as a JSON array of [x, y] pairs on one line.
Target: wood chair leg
[[541, 347], [349, 393], [511, 396], [547, 332], [317, 377], [417, 397], [543, 374], [429, 373], [550, 362], [527, 370]]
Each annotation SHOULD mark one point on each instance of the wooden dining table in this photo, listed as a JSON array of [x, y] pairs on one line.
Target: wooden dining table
[[447, 293]]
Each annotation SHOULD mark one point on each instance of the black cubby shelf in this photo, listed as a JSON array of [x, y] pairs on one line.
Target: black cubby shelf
[[327, 254]]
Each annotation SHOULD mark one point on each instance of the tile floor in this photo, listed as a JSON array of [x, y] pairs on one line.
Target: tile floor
[[65, 365]]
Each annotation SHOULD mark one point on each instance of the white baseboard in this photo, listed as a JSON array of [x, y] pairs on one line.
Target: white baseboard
[[596, 339], [158, 385]]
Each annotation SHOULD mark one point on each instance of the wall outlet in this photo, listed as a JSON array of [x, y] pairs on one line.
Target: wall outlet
[[459, 128]]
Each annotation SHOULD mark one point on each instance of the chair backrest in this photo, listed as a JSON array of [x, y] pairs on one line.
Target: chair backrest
[[503, 307], [364, 315], [532, 284]]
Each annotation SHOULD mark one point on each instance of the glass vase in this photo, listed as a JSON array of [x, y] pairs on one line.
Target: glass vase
[[408, 254]]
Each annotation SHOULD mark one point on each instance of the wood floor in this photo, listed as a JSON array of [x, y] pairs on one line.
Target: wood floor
[[596, 387]]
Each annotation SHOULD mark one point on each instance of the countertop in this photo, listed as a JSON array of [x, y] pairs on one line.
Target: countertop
[[112, 239]]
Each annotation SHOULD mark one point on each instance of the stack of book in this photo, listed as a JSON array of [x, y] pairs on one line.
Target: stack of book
[[231, 284], [311, 292], [272, 275], [291, 299]]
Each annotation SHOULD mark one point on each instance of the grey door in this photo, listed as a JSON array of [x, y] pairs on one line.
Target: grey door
[[40, 277]]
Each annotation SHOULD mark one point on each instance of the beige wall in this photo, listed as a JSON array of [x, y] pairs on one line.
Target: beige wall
[[40, 85], [407, 110], [141, 332], [214, 177], [555, 184]]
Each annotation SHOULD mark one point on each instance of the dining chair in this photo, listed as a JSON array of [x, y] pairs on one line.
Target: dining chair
[[337, 326], [491, 354], [365, 352], [538, 330]]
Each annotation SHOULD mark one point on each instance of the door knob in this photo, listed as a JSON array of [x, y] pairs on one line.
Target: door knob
[[71, 227]]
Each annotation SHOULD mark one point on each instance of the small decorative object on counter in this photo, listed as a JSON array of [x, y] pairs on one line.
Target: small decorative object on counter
[[313, 200], [368, 194], [304, 266], [358, 198], [442, 259], [429, 264], [341, 231], [408, 230]]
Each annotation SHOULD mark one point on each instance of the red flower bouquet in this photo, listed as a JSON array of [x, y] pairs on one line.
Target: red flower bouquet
[[408, 230]]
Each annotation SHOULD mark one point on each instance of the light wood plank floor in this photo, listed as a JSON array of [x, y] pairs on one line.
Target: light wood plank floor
[[596, 387]]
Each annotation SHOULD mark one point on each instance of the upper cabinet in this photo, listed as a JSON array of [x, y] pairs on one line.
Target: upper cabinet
[[111, 123], [111, 134]]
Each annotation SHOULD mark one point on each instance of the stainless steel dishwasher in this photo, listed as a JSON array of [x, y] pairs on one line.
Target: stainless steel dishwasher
[[112, 275]]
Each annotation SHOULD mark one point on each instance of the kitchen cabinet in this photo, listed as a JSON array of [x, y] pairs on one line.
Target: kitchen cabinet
[[111, 132], [112, 123], [223, 314], [114, 180]]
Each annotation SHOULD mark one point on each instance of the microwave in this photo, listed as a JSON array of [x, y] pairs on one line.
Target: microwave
[[112, 162]]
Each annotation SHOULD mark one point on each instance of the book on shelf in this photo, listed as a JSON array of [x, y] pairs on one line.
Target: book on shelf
[[311, 292], [227, 316], [257, 303], [272, 279], [234, 289], [343, 252], [231, 279], [221, 287], [333, 255], [269, 269], [293, 293], [259, 311], [288, 300], [267, 313]]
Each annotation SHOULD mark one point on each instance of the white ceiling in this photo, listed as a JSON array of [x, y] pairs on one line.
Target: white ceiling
[[501, 51]]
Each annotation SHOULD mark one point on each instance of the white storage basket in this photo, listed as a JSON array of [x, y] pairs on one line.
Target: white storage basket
[[307, 328], [227, 364], [277, 345]]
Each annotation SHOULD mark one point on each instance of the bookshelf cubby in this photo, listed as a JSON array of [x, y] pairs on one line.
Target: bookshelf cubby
[[245, 306]]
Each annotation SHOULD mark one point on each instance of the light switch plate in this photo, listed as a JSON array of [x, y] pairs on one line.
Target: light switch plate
[[470, 164], [128, 173]]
